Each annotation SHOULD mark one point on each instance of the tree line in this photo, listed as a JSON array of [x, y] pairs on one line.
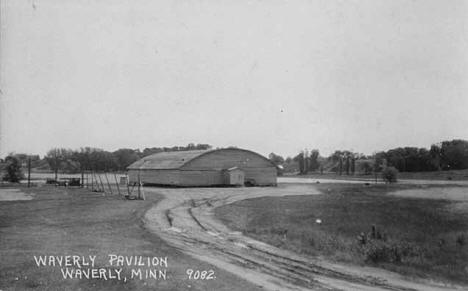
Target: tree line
[[446, 155], [91, 159]]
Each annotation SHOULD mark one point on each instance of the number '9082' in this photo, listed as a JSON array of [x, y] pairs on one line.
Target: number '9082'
[[200, 274]]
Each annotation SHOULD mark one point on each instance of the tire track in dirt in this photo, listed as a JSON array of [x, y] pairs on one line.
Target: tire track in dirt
[[185, 219]]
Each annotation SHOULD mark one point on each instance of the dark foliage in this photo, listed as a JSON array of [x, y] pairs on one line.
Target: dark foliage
[[390, 174], [12, 171], [95, 159], [448, 155]]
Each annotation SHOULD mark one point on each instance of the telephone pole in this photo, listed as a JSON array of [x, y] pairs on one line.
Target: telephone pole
[[29, 171]]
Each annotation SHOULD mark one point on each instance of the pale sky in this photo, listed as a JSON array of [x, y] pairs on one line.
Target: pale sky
[[270, 76]]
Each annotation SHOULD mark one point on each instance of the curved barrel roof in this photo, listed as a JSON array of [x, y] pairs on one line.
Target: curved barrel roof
[[166, 160], [175, 160]]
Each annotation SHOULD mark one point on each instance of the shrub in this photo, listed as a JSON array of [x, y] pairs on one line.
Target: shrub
[[12, 170], [461, 239], [390, 174], [378, 251]]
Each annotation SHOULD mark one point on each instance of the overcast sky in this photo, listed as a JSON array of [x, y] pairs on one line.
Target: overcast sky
[[270, 76]]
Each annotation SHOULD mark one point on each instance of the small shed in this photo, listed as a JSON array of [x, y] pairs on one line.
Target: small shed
[[234, 176]]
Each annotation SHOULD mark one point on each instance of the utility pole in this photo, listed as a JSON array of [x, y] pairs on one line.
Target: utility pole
[[56, 164], [29, 171]]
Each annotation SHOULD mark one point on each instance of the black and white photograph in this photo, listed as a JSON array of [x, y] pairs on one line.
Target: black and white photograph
[[248, 145]]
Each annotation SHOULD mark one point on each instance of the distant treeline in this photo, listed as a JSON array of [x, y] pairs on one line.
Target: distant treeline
[[446, 155], [94, 159]]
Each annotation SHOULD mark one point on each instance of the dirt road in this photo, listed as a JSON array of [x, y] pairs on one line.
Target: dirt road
[[13, 194], [185, 219]]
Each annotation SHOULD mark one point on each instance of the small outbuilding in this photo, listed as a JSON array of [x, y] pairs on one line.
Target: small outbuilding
[[220, 167]]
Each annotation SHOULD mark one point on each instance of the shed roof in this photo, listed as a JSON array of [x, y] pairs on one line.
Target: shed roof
[[166, 160], [175, 160]]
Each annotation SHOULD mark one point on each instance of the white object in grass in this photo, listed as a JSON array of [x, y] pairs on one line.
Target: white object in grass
[[318, 220]]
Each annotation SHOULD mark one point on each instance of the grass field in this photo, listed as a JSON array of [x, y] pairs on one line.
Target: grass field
[[66, 221], [456, 175], [415, 237]]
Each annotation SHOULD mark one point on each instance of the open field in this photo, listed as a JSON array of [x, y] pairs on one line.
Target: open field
[[413, 236], [456, 175], [185, 218], [66, 221], [180, 223]]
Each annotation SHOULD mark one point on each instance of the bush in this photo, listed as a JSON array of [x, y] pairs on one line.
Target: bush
[[12, 170], [390, 175], [378, 251], [461, 239]]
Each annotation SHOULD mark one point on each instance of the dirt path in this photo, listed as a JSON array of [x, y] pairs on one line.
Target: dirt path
[[185, 219], [10, 194]]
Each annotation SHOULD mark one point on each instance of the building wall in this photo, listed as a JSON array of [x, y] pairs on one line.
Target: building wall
[[261, 176], [207, 170], [163, 177], [201, 178], [254, 166]]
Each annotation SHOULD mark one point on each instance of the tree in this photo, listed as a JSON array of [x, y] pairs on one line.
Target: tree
[[300, 159], [313, 160], [340, 167], [62, 159], [52, 158], [366, 167], [12, 170], [454, 154], [390, 174], [125, 157], [347, 165], [276, 159], [434, 152]]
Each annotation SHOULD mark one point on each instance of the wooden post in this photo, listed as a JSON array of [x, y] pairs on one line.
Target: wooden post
[[102, 185], [29, 172], [108, 184], [128, 187], [117, 183], [142, 193], [139, 185], [92, 181]]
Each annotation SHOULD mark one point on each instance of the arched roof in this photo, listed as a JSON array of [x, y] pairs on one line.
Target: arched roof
[[177, 159]]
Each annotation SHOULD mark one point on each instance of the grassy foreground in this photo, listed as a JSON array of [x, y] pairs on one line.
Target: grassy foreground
[[361, 224], [455, 175], [61, 222]]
